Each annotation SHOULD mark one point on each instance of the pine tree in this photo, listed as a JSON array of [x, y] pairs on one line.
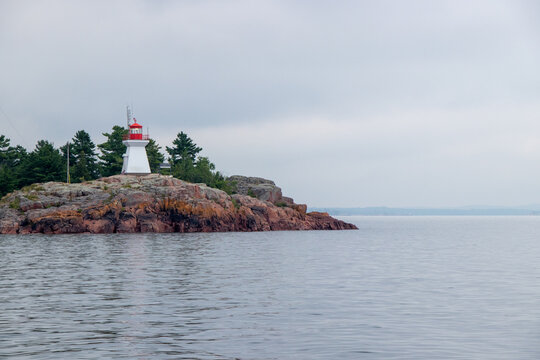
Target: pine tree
[[4, 146], [183, 169], [203, 171], [85, 152], [183, 148], [43, 164], [63, 150], [155, 157], [9, 155], [8, 179], [80, 171], [82, 152], [10, 165], [112, 151], [188, 166]]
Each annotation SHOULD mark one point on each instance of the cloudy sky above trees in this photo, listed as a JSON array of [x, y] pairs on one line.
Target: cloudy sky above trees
[[342, 103]]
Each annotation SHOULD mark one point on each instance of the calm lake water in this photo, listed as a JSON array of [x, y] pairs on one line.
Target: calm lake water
[[398, 288]]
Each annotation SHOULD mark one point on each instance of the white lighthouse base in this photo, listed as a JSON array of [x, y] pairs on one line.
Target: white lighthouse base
[[135, 159]]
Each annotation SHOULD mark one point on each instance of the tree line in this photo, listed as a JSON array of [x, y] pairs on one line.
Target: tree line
[[19, 168]]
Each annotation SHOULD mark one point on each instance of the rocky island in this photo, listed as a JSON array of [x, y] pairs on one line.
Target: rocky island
[[155, 203]]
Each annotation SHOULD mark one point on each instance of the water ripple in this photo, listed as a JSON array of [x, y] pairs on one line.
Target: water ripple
[[399, 288]]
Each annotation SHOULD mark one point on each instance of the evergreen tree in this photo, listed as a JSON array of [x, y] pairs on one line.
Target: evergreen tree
[[63, 150], [17, 156], [221, 182], [8, 180], [9, 155], [183, 149], [183, 169], [10, 161], [43, 164], [112, 151], [203, 171], [155, 157], [4, 146], [186, 165], [85, 153], [82, 157], [81, 170]]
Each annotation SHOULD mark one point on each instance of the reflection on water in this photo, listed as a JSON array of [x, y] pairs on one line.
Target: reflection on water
[[410, 288]]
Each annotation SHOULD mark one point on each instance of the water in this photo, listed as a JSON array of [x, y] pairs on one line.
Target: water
[[399, 288]]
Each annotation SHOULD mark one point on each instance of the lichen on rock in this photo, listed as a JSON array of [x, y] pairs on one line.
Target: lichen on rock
[[151, 203]]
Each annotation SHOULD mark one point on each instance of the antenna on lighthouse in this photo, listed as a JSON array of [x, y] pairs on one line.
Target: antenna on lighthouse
[[129, 116]]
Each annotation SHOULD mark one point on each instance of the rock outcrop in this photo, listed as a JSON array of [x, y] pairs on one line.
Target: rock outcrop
[[260, 188], [263, 189], [150, 203]]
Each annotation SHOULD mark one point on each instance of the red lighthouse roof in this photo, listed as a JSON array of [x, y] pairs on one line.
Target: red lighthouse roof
[[135, 125], [135, 132]]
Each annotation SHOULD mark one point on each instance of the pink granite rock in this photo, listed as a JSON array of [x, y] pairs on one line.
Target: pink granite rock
[[150, 203]]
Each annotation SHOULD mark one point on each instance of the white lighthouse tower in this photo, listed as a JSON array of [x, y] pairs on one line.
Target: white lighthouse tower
[[135, 159]]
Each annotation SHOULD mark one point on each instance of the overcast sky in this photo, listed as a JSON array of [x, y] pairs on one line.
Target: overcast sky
[[342, 103]]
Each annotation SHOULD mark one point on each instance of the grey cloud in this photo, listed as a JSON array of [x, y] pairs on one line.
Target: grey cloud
[[204, 65]]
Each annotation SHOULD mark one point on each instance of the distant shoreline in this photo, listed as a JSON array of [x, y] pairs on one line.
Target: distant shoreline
[[388, 211]]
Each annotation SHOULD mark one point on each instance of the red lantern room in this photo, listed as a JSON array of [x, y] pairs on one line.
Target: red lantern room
[[135, 131]]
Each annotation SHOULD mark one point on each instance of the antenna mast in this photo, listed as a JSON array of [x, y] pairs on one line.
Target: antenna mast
[[129, 116]]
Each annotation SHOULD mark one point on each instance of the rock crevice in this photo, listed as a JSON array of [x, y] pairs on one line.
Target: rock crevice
[[150, 203]]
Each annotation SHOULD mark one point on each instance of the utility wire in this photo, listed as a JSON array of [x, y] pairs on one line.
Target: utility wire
[[14, 128]]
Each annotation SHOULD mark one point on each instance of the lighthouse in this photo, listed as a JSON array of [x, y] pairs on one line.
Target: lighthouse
[[135, 159]]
